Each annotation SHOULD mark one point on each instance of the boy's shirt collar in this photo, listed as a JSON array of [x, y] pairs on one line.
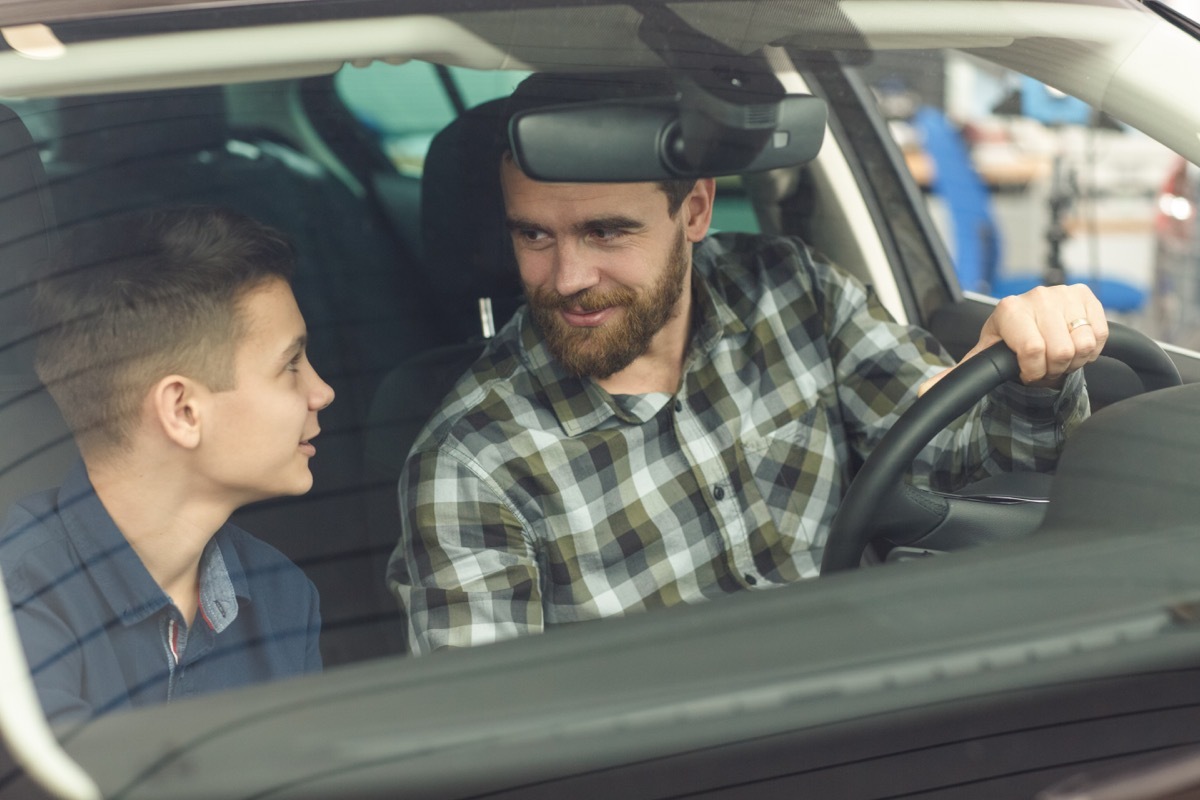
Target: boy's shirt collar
[[121, 577]]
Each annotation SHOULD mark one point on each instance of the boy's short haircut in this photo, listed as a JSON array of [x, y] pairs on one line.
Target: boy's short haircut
[[130, 300]]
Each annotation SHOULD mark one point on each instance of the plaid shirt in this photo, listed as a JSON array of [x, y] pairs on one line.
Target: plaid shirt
[[534, 498]]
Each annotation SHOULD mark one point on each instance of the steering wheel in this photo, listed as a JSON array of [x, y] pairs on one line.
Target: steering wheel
[[880, 505]]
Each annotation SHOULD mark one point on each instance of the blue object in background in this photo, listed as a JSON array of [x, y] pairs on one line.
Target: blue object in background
[[1040, 102], [976, 238]]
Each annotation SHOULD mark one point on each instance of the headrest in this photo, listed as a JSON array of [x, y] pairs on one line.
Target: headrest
[[26, 226], [467, 252], [111, 129]]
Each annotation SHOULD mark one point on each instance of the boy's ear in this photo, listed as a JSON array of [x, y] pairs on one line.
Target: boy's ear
[[698, 208], [176, 403]]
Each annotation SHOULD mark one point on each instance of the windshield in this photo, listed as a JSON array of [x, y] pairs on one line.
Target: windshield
[[326, 422]]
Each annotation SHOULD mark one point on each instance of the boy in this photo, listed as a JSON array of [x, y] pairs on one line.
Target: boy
[[173, 346]]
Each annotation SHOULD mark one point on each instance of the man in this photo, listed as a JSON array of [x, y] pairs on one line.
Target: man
[[674, 416], [173, 345]]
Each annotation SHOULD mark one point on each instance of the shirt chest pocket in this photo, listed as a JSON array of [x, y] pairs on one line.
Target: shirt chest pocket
[[794, 464]]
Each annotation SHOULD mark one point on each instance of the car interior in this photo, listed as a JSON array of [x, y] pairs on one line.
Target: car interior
[[391, 327]]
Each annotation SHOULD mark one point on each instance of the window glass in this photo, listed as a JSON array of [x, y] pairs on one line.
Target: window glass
[[1028, 185], [732, 210], [406, 105]]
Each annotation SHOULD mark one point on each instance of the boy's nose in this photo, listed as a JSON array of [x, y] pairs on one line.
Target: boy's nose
[[322, 394]]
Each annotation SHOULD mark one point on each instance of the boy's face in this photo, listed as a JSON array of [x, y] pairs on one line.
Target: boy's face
[[258, 438]]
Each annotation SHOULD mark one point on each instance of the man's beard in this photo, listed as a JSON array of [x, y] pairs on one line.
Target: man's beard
[[606, 350]]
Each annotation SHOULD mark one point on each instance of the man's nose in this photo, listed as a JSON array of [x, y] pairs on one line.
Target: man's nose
[[574, 269]]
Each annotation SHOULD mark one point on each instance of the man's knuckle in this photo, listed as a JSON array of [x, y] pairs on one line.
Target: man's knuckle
[[1033, 350], [1008, 304], [1060, 354]]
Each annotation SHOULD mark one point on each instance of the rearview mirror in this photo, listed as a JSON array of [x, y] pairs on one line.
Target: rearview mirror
[[654, 139]]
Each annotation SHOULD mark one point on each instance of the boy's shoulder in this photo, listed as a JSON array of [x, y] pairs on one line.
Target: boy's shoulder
[[33, 531], [262, 566]]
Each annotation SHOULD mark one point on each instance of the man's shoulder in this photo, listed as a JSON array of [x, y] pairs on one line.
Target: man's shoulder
[[498, 390], [758, 262], [756, 273]]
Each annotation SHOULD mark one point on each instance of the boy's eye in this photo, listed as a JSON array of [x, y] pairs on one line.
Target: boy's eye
[[532, 236], [294, 364]]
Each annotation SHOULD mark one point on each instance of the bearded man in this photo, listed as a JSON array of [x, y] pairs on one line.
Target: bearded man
[[674, 416]]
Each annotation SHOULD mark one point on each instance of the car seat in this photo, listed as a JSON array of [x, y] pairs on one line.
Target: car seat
[[469, 263], [38, 447]]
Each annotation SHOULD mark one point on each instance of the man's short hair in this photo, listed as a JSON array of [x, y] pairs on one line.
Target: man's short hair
[[550, 88], [676, 192], [130, 300]]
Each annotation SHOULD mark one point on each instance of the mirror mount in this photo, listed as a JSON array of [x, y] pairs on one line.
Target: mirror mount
[[728, 102], [711, 112]]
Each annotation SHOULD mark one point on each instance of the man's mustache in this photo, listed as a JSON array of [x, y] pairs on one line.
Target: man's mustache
[[586, 301]]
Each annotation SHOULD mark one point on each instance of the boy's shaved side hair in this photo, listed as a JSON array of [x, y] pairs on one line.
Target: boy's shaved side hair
[[130, 300]]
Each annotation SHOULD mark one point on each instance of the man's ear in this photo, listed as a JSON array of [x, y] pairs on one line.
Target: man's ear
[[697, 209], [176, 404]]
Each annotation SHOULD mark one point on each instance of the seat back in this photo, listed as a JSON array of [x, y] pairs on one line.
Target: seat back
[[37, 446], [467, 258], [467, 253]]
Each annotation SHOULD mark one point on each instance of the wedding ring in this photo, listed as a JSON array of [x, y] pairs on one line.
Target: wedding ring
[[1077, 323]]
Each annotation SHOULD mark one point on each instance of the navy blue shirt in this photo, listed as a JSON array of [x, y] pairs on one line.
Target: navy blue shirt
[[101, 635]]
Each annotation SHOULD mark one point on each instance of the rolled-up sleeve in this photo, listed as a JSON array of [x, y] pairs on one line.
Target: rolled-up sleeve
[[464, 571]]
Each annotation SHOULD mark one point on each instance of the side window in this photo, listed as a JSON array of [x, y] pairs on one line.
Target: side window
[[1028, 185]]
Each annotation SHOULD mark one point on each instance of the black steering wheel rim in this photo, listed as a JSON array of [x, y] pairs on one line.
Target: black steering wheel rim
[[880, 482]]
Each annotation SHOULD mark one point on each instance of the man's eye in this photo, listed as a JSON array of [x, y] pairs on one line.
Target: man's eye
[[607, 234], [532, 236]]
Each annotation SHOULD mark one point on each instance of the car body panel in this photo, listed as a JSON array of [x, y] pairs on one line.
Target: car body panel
[[988, 674]]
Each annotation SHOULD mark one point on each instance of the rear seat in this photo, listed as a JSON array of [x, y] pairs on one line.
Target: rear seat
[[37, 444]]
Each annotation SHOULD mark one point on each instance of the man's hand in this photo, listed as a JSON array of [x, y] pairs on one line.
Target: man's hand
[[1054, 330]]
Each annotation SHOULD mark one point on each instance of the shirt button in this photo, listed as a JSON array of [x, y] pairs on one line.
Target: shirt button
[[678, 406], [719, 493], [750, 579]]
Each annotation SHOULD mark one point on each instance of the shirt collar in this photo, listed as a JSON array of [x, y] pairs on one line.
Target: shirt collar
[[714, 319], [580, 404], [121, 577], [221, 583]]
